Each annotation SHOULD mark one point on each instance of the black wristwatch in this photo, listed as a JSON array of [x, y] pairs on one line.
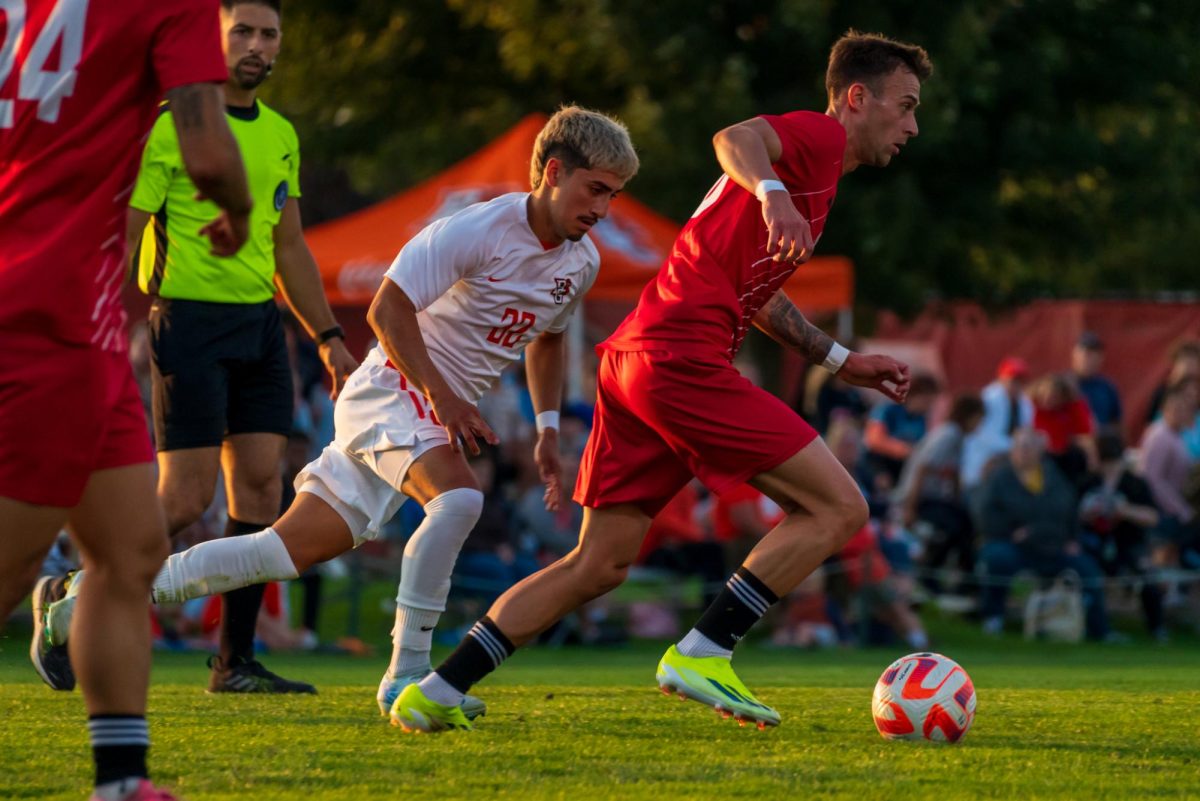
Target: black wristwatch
[[330, 333]]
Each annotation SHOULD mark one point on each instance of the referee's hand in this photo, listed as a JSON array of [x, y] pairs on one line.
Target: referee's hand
[[338, 362], [227, 233]]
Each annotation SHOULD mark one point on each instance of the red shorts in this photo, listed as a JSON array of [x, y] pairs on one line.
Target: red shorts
[[65, 412], [661, 418]]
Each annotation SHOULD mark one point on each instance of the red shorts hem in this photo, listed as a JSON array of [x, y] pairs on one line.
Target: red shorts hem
[[662, 418], [68, 411]]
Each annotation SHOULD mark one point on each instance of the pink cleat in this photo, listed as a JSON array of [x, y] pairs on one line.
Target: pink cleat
[[145, 791]]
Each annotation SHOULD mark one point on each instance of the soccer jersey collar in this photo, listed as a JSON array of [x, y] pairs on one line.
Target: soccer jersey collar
[[247, 113]]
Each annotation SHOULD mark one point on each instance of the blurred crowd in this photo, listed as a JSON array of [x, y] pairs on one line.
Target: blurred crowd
[[1028, 479], [1031, 476]]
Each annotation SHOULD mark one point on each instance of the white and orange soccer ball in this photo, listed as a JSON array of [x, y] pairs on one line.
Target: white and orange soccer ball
[[924, 697]]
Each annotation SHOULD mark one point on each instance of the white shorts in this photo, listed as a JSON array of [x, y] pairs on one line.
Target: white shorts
[[380, 428]]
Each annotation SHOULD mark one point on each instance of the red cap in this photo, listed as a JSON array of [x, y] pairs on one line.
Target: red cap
[[1012, 367]]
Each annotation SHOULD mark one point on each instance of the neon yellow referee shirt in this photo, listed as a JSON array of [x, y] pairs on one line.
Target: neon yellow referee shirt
[[174, 259]]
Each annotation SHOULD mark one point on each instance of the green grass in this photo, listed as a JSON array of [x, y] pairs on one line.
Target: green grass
[[1082, 722]]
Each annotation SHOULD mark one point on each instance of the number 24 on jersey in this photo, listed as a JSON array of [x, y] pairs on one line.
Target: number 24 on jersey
[[46, 87]]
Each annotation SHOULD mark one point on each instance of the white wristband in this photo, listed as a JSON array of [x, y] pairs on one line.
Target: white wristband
[[765, 186], [836, 358], [546, 420]]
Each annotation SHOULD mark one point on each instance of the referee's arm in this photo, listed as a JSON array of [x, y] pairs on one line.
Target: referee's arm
[[299, 280]]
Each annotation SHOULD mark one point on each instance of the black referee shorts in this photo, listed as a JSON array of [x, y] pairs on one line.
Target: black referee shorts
[[218, 369]]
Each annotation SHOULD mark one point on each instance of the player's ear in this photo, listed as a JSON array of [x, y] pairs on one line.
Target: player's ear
[[553, 173], [856, 96]]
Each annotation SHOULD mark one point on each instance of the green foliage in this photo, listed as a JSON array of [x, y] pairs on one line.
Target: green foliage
[[1057, 152], [1062, 722]]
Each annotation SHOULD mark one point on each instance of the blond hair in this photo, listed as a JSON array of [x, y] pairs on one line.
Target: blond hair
[[581, 138]]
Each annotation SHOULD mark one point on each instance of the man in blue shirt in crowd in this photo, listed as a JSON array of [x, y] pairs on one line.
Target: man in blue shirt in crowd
[[1101, 394]]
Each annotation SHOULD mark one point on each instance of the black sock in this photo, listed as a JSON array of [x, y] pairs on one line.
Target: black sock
[[311, 581], [479, 653], [239, 610], [119, 745], [742, 601]]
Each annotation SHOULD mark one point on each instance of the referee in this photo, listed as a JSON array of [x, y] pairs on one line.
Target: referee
[[222, 383]]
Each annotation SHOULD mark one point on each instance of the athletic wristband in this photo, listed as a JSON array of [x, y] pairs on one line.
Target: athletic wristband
[[765, 186], [836, 358], [330, 333], [546, 420]]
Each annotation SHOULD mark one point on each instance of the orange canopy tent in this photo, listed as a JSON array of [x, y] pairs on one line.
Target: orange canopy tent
[[354, 251]]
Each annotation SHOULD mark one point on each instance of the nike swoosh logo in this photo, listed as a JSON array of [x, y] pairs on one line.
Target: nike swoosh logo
[[426, 628], [494, 280]]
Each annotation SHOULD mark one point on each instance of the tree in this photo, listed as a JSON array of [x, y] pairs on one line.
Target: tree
[[1057, 150]]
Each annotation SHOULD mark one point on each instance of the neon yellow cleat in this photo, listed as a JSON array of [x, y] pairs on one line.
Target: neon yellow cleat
[[413, 712], [390, 689], [711, 681]]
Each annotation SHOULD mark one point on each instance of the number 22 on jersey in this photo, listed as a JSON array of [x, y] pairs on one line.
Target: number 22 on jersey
[[513, 325], [46, 87]]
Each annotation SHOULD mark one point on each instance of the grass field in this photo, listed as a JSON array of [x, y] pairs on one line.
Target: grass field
[[1083, 722]]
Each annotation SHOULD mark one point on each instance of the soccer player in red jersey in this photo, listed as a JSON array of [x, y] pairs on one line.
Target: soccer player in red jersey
[[671, 405], [79, 83]]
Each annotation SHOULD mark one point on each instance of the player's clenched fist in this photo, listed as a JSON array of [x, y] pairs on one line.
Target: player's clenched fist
[[462, 419], [789, 237], [877, 372]]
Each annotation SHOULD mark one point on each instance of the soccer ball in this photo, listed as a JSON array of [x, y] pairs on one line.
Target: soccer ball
[[924, 697]]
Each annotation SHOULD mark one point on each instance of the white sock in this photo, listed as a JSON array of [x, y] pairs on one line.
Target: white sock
[[222, 565], [918, 640], [412, 639], [429, 559], [439, 691], [695, 644]]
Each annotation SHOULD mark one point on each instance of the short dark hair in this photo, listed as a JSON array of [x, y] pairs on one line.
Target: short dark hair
[[923, 384], [965, 407], [274, 5], [868, 57]]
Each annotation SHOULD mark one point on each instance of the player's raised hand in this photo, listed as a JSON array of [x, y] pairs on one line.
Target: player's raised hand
[[883, 373], [789, 237], [338, 362], [463, 420], [545, 456], [227, 233]]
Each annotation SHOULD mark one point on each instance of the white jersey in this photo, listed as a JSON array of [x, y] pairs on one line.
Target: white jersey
[[485, 287]]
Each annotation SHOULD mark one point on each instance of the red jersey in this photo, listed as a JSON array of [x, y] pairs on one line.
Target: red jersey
[[1063, 424], [719, 275], [79, 84]]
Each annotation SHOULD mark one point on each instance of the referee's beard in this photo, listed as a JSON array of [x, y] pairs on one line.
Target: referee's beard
[[250, 79]]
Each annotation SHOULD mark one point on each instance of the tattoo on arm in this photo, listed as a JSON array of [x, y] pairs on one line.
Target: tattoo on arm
[[187, 106], [782, 320]]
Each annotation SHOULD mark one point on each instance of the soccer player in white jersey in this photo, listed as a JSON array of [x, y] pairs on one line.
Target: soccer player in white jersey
[[461, 302]]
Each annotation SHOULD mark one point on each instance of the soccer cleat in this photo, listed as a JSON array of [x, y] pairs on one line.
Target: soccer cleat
[[390, 689], [711, 681], [249, 676], [413, 712], [145, 791], [51, 661]]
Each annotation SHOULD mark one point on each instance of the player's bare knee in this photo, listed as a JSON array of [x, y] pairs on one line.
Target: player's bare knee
[[183, 509], [257, 498], [130, 569], [852, 514]]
